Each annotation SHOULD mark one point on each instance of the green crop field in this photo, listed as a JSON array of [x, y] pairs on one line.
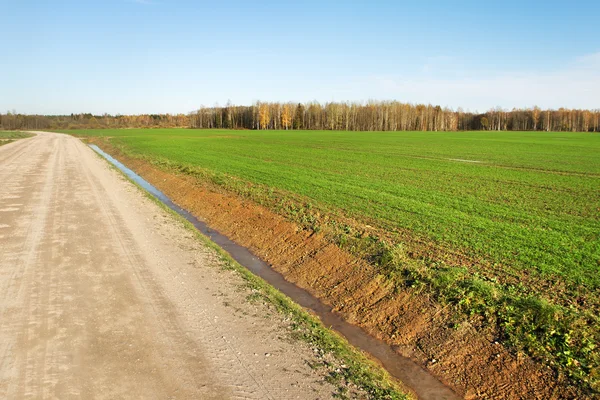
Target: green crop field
[[10, 136], [525, 202], [528, 200]]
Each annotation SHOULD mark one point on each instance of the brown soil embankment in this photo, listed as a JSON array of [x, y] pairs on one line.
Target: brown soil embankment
[[474, 365]]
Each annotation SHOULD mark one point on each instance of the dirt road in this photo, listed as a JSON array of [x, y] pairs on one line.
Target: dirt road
[[104, 295]]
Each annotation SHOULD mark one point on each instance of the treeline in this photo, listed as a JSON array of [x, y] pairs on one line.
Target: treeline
[[372, 116], [390, 116], [14, 121]]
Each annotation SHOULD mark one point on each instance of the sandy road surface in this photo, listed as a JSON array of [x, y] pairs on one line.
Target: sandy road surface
[[103, 295]]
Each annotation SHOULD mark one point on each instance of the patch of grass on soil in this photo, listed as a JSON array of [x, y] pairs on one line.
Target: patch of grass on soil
[[10, 136]]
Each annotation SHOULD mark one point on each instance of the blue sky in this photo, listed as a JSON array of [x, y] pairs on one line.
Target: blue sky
[[152, 56]]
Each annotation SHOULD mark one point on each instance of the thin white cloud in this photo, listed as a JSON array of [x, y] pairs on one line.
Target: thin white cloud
[[435, 63], [576, 85]]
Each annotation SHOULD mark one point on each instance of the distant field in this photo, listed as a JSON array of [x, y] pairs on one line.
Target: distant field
[[9, 136], [528, 200]]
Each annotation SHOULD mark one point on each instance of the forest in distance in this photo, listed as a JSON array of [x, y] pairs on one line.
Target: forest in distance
[[348, 116]]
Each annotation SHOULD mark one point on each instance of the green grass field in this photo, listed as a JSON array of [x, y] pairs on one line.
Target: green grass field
[[528, 203], [527, 200], [10, 136]]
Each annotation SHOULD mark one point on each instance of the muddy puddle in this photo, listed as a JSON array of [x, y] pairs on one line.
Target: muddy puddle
[[423, 384]]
